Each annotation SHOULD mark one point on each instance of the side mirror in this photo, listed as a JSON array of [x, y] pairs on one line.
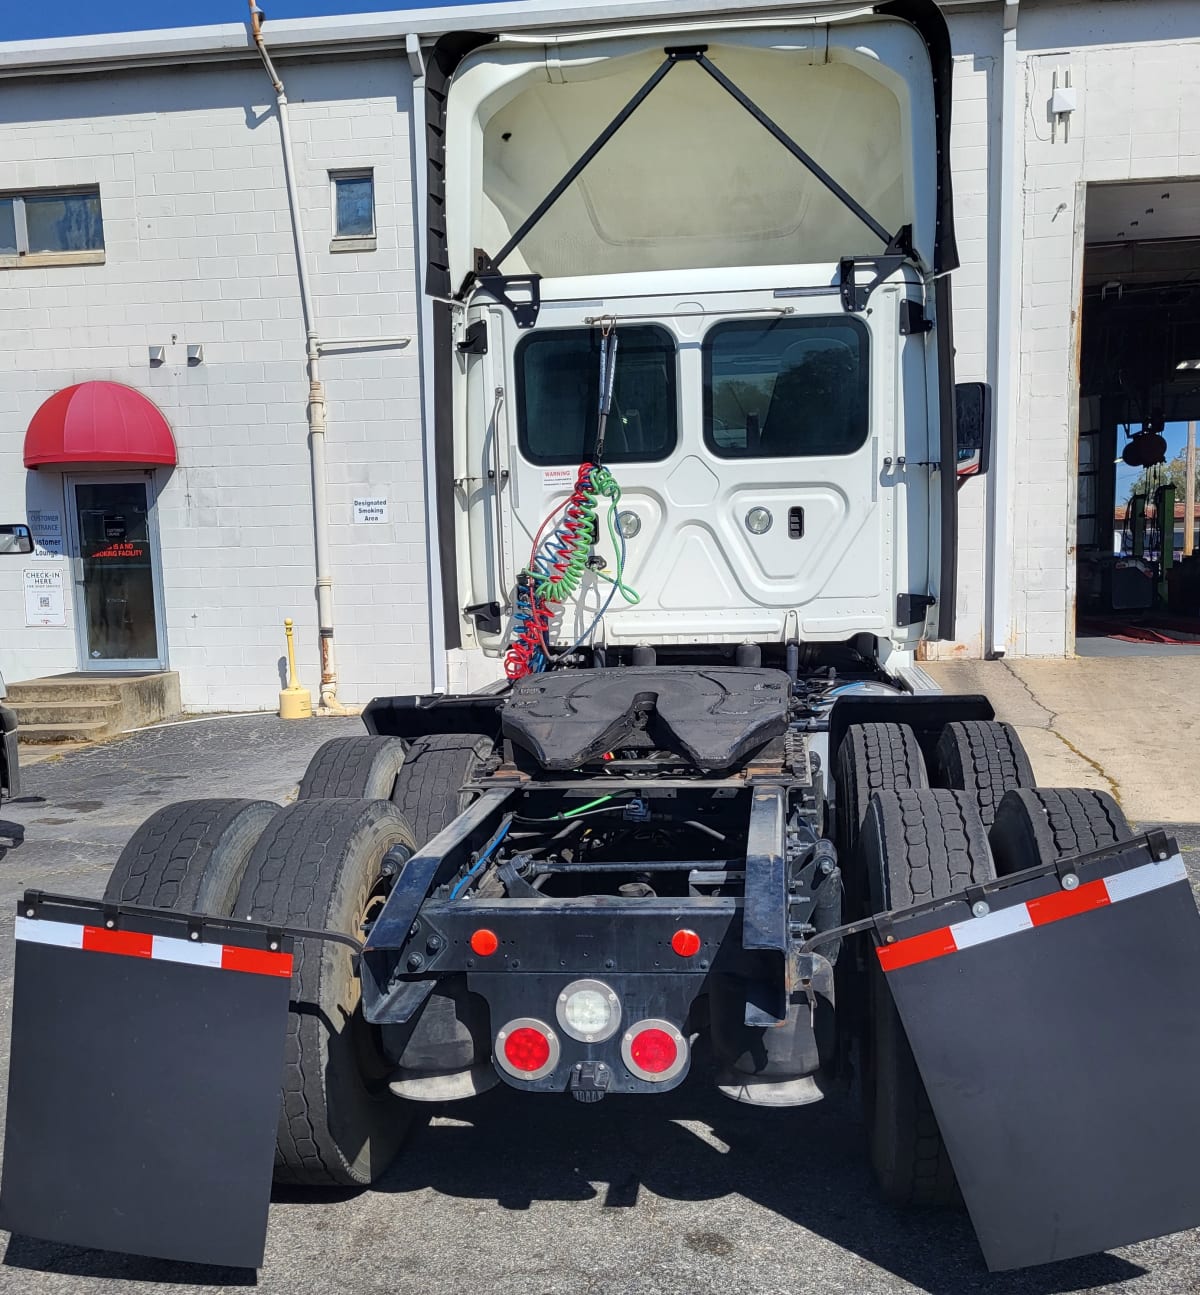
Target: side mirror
[[16, 538], [973, 428]]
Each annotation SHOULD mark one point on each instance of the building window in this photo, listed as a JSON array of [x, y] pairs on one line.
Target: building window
[[353, 195], [49, 226]]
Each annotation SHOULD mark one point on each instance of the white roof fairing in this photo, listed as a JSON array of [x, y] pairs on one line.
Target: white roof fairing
[[691, 180]]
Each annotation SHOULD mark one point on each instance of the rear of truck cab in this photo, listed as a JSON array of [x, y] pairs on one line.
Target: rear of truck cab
[[783, 356]]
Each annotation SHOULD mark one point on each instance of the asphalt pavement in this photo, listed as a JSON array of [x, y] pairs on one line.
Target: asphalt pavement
[[682, 1194]]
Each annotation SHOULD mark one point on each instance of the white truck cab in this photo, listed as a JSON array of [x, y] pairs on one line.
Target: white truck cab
[[759, 210]]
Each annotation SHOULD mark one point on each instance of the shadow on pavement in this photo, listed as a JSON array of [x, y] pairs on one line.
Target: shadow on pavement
[[807, 1164], [71, 1261]]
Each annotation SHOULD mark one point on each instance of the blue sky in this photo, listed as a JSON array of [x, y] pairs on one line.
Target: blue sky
[[23, 21]]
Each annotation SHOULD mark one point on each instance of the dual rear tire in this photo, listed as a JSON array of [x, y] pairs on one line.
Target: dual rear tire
[[911, 831], [316, 864], [926, 845]]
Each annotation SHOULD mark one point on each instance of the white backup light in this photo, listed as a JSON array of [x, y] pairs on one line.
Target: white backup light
[[588, 1010], [628, 523]]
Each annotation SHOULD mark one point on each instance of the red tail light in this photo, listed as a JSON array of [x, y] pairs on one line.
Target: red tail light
[[527, 1048], [654, 1051]]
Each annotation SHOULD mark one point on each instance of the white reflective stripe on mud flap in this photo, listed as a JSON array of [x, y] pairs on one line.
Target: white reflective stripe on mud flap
[[192, 952], [979, 930], [1150, 876], [60, 933]]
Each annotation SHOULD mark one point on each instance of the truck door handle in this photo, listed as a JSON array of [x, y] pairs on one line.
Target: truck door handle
[[795, 523]]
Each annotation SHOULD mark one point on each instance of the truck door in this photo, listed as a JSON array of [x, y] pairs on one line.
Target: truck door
[[761, 451]]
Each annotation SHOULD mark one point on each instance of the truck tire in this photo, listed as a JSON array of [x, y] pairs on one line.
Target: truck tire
[[429, 789], [917, 845], [190, 856], [1046, 824], [871, 758], [363, 768], [983, 757], [318, 866]]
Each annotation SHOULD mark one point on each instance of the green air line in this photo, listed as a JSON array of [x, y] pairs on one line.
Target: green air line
[[591, 803]]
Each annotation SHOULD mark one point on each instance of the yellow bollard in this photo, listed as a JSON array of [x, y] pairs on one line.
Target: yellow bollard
[[294, 702]]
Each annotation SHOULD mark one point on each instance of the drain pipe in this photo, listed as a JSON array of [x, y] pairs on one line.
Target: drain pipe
[[328, 703]]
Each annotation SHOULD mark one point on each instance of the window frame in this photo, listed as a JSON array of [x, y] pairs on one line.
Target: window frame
[[557, 461], [787, 321], [351, 242], [23, 258]]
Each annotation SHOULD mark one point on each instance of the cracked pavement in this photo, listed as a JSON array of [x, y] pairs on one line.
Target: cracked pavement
[[1126, 725]]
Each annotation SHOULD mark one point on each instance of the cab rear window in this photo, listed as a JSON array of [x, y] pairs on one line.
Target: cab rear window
[[558, 396], [785, 388]]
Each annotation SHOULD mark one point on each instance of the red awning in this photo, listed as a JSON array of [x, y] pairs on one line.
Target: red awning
[[99, 422]]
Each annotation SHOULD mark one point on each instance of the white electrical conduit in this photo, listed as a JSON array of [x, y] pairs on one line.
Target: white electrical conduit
[[316, 391]]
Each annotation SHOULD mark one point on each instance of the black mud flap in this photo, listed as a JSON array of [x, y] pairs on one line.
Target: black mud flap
[[143, 1093], [1058, 1037]]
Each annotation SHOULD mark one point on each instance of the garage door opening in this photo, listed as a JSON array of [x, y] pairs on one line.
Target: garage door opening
[[1138, 547]]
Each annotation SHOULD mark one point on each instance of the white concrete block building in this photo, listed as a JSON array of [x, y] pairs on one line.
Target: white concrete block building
[[145, 241]]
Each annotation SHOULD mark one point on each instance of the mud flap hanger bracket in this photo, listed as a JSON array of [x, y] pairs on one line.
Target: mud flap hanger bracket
[[1157, 844], [525, 308]]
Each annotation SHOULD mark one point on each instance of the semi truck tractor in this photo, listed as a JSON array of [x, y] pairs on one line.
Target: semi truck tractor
[[701, 815]]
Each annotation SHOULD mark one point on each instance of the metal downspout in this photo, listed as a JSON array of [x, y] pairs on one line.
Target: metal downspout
[[316, 392], [438, 665], [1008, 357]]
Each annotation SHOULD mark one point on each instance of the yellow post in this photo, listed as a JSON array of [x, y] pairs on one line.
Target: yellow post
[[294, 702]]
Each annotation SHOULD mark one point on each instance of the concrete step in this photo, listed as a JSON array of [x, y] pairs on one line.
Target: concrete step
[[107, 713], [92, 705], [90, 731]]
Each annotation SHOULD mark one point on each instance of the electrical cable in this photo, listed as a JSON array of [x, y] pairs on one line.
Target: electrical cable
[[558, 561], [484, 855]]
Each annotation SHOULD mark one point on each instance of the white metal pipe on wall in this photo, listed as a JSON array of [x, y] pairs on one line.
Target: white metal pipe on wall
[[316, 391]]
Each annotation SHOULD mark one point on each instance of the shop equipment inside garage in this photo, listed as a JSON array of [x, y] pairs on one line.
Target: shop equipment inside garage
[[1137, 555]]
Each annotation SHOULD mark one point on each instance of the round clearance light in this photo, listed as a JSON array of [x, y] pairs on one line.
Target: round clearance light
[[588, 1010], [654, 1051], [685, 943], [758, 521], [629, 524], [484, 942], [527, 1048]]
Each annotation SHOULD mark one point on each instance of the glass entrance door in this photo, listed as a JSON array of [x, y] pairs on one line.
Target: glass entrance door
[[116, 577]]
